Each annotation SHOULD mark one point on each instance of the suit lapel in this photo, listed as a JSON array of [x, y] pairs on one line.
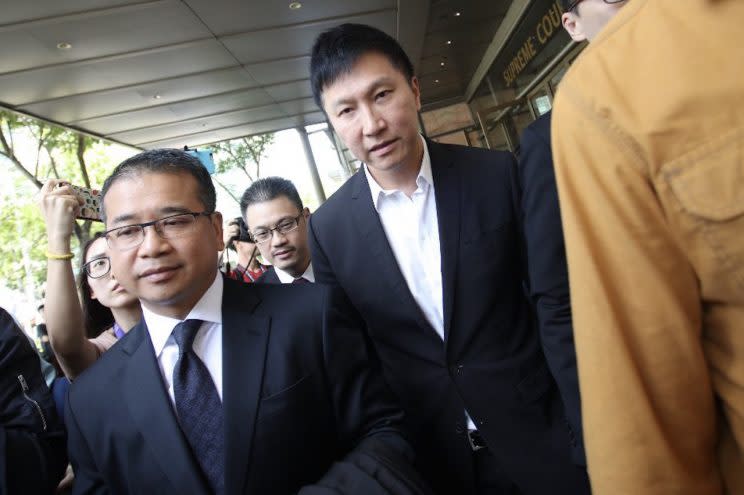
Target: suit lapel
[[154, 416], [244, 346], [368, 222], [447, 191]]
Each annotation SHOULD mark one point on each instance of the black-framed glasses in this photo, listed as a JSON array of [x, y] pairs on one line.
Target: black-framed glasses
[[98, 267], [172, 226], [573, 4], [284, 227]]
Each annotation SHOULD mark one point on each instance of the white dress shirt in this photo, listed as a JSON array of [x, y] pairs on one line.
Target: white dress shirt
[[412, 230], [286, 278], [207, 343]]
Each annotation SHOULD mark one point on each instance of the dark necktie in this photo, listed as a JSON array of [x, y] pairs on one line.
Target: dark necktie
[[301, 280], [199, 407]]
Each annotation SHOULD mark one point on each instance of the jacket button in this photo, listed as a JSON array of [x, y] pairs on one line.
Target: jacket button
[[459, 369], [459, 429]]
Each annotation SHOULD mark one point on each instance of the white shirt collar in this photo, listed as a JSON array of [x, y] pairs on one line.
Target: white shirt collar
[[424, 179], [286, 278], [208, 309]]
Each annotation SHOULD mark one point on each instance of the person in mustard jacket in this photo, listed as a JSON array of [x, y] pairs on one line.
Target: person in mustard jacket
[[648, 141]]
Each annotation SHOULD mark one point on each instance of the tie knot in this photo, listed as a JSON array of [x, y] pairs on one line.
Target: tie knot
[[184, 333]]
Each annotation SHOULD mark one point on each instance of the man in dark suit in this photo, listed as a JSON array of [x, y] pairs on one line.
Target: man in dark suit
[[224, 387], [277, 221], [32, 438], [546, 254], [426, 241]]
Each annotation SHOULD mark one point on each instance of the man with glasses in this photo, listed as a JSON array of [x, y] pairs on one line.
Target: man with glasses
[[223, 387], [546, 257], [273, 211], [648, 141]]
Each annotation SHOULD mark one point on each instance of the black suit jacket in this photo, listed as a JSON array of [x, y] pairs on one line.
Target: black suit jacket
[[299, 393], [32, 438], [548, 269], [491, 362], [269, 277]]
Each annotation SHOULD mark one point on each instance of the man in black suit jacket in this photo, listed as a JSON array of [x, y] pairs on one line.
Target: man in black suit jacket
[[426, 241], [277, 221], [546, 254], [548, 271], [32, 437], [224, 387]]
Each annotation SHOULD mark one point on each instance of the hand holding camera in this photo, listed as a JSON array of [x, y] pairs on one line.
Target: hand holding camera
[[59, 204]]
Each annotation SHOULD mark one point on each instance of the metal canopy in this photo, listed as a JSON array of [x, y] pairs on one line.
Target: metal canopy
[[168, 73]]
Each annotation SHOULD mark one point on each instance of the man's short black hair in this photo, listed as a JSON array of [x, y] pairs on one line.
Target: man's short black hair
[[165, 161], [267, 189], [336, 51], [565, 4]]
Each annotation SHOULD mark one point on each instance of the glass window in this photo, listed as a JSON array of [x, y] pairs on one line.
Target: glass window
[[541, 103]]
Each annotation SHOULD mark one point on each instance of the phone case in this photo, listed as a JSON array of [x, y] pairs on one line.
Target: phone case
[[91, 209]]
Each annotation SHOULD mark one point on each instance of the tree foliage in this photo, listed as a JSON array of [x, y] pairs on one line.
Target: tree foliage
[[244, 154], [31, 151]]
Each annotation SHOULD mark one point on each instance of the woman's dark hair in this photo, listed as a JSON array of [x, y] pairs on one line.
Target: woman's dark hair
[[97, 316]]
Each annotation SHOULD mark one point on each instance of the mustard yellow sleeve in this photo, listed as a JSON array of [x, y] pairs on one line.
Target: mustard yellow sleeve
[[647, 402]]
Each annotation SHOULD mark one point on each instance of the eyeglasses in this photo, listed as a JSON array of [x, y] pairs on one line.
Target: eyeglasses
[[573, 5], [170, 227], [284, 227], [98, 267]]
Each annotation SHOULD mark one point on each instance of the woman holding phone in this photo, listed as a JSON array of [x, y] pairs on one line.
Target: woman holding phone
[[80, 332]]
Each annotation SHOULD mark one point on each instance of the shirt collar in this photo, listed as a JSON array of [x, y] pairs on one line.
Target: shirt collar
[[424, 179], [208, 308], [286, 278]]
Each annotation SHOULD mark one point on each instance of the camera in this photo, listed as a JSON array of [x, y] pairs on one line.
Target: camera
[[243, 235]]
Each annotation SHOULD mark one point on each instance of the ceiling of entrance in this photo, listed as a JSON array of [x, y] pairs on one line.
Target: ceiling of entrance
[[166, 73]]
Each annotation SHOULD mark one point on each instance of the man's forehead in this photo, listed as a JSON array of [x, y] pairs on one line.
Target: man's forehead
[[265, 212], [149, 194], [371, 69]]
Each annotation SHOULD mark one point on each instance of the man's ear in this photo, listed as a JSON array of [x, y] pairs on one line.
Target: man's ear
[[216, 218], [416, 92], [306, 212], [573, 24]]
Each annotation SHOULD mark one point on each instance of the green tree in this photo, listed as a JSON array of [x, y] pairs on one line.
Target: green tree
[[244, 154], [33, 151]]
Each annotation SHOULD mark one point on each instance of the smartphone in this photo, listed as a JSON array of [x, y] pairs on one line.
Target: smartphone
[[91, 208]]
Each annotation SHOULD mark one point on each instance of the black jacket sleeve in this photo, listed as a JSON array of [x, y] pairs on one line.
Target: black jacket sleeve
[[32, 438], [369, 420], [548, 271]]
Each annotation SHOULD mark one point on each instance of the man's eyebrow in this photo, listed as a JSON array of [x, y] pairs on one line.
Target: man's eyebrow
[[173, 210], [369, 89], [129, 218], [264, 227], [122, 218]]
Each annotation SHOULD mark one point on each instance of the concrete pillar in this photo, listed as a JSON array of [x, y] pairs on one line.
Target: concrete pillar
[[311, 162]]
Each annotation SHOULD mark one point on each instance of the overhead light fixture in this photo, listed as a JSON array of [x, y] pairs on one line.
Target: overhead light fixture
[[157, 97], [449, 42], [436, 81], [64, 46], [457, 14], [441, 63], [295, 5]]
